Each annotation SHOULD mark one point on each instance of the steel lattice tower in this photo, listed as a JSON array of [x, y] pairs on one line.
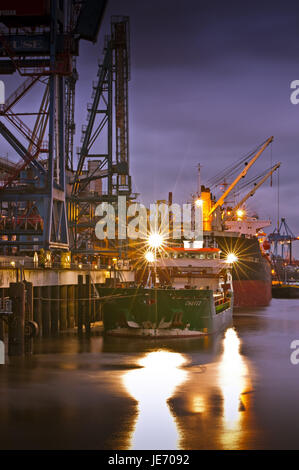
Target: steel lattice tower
[[103, 159]]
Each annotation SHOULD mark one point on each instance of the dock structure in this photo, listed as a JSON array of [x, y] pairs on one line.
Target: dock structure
[[48, 302], [47, 200], [50, 258]]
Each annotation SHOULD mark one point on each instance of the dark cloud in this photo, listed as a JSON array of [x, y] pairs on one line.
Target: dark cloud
[[210, 80]]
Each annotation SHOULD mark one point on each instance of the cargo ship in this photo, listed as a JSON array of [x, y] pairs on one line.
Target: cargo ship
[[243, 236], [285, 291], [235, 232], [252, 273], [188, 294]]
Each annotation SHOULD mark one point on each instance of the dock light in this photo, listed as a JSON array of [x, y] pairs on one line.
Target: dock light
[[199, 202], [12, 263], [80, 266], [240, 213], [231, 258], [149, 256], [155, 240]]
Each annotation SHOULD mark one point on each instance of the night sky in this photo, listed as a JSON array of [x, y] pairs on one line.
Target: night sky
[[210, 80]]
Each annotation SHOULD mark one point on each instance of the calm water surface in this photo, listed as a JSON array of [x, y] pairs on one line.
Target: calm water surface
[[237, 390]]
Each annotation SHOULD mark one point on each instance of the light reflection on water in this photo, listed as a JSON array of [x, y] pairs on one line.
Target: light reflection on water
[[160, 377], [152, 386], [236, 391], [233, 382]]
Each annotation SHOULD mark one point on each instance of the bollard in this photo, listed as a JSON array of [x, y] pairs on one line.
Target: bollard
[[80, 303], [87, 318], [37, 306], [16, 321], [63, 308], [70, 306], [46, 311], [55, 307]]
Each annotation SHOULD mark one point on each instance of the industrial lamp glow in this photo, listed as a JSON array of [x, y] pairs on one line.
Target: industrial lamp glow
[[155, 240], [149, 256], [240, 213], [231, 258]]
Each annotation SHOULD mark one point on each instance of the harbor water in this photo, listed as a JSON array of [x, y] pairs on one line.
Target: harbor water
[[236, 390]]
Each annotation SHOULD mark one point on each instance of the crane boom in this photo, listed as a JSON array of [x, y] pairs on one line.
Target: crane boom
[[256, 187], [241, 175]]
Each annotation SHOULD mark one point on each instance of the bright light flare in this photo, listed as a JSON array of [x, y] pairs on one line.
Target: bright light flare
[[199, 202], [155, 240], [231, 258], [240, 213], [149, 256]]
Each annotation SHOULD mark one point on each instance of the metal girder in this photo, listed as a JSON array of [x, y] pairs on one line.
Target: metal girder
[[28, 158], [90, 18], [45, 194]]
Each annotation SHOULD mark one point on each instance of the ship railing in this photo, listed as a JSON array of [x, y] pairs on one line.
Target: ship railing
[[220, 300]]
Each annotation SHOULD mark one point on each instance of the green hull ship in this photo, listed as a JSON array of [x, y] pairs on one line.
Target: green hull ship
[[198, 299], [165, 313]]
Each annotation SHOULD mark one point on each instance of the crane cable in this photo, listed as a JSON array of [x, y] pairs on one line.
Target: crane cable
[[233, 168]]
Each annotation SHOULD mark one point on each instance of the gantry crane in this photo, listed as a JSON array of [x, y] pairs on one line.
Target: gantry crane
[[282, 236], [40, 41]]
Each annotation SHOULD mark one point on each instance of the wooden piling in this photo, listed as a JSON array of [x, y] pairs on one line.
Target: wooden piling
[[80, 303], [63, 308], [93, 304], [16, 321], [87, 318], [1, 320], [1, 329], [70, 306], [98, 307], [46, 311], [28, 317], [55, 307], [76, 291], [37, 307]]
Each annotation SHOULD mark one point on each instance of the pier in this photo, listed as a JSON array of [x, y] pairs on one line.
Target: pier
[[45, 302]]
